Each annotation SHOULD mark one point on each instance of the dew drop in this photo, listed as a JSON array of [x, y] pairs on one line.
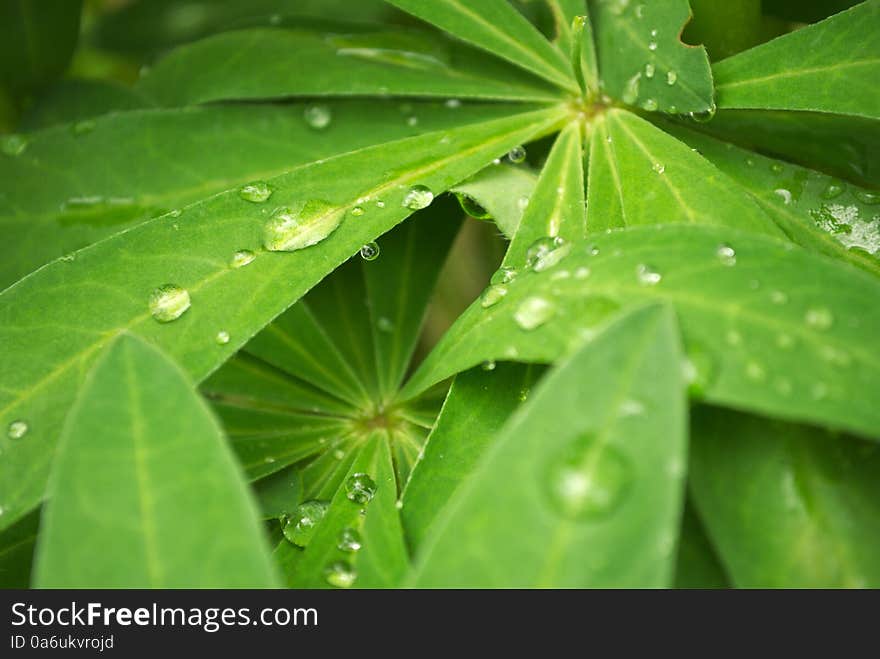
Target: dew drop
[[295, 227], [756, 372], [493, 295], [522, 203], [418, 197], [380, 203], [658, 167], [452, 103], [17, 429], [652, 46], [819, 318], [546, 252], [13, 145], [517, 154], [169, 302], [318, 116], [867, 197], [726, 254], [360, 488], [705, 116], [412, 121], [631, 407], [340, 574], [357, 211], [384, 324], [534, 312], [647, 275], [671, 78], [370, 251], [349, 541], [650, 105], [783, 194], [256, 192], [582, 273], [222, 338], [778, 297], [503, 275], [833, 190], [83, 127], [587, 480], [488, 365], [650, 69], [300, 527], [338, 454]]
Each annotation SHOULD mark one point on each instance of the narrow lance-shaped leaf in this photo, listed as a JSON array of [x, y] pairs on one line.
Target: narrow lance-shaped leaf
[[832, 66], [597, 502], [495, 26], [641, 175], [143, 465], [478, 404], [76, 185], [768, 327], [272, 63], [53, 323], [642, 60], [787, 506], [499, 193], [584, 56]]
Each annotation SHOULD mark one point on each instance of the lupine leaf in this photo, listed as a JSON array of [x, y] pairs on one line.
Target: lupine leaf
[[500, 193]]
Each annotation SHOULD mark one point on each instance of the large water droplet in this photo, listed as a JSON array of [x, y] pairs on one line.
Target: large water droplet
[[13, 145], [726, 254], [340, 574], [418, 197], [370, 251], [360, 488], [546, 252], [517, 154], [295, 227], [256, 192], [534, 312], [301, 525], [647, 275], [17, 429], [169, 302], [493, 295], [349, 540], [783, 194], [587, 480], [318, 116], [819, 318], [242, 258]]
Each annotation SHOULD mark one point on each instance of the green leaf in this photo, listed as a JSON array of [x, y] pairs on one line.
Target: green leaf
[[565, 13], [769, 327], [499, 193], [272, 63], [17, 550], [640, 175], [495, 26], [640, 52], [53, 323], [597, 502], [556, 209], [832, 66], [478, 404], [382, 559], [787, 506], [142, 464], [37, 38], [697, 565], [103, 179], [586, 63], [815, 210]]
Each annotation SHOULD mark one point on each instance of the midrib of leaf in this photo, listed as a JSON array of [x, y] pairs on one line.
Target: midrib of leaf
[[565, 527], [797, 73], [611, 159], [401, 179]]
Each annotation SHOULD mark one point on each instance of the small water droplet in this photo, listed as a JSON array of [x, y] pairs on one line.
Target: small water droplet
[[777, 168], [169, 302], [587, 480], [833, 190], [399, 504], [13, 145], [256, 192], [349, 541], [671, 78], [17, 429], [302, 225], [340, 574], [650, 105], [522, 203], [83, 127], [647, 275], [370, 251], [174, 213], [222, 338], [453, 103], [658, 167], [360, 488], [652, 46], [631, 407], [650, 69], [778, 297], [783, 194], [300, 527], [819, 318], [385, 325], [503, 275], [517, 154], [726, 254], [493, 295], [318, 116], [412, 121], [380, 203], [418, 197], [867, 197], [338, 454], [357, 211], [488, 365], [755, 371], [546, 252], [534, 312], [582, 273]]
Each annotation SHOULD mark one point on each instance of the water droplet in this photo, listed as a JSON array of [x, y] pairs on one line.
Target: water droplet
[[726, 254], [517, 154], [370, 251], [778, 297], [671, 78], [318, 116], [493, 295], [652, 45], [357, 211], [453, 103], [13, 145], [582, 273], [418, 197], [587, 480], [819, 318], [338, 454], [17, 429], [83, 127], [777, 168], [546, 252], [399, 504], [503, 275], [174, 213], [650, 105], [867, 197], [340, 574], [295, 227], [384, 324], [488, 365], [733, 338], [833, 190], [169, 302], [380, 203], [784, 194], [222, 338], [647, 276], [522, 203], [534, 312], [705, 116], [360, 488], [300, 527], [754, 371], [631, 90], [412, 121], [256, 192], [650, 69], [631, 407], [349, 541], [658, 167]]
